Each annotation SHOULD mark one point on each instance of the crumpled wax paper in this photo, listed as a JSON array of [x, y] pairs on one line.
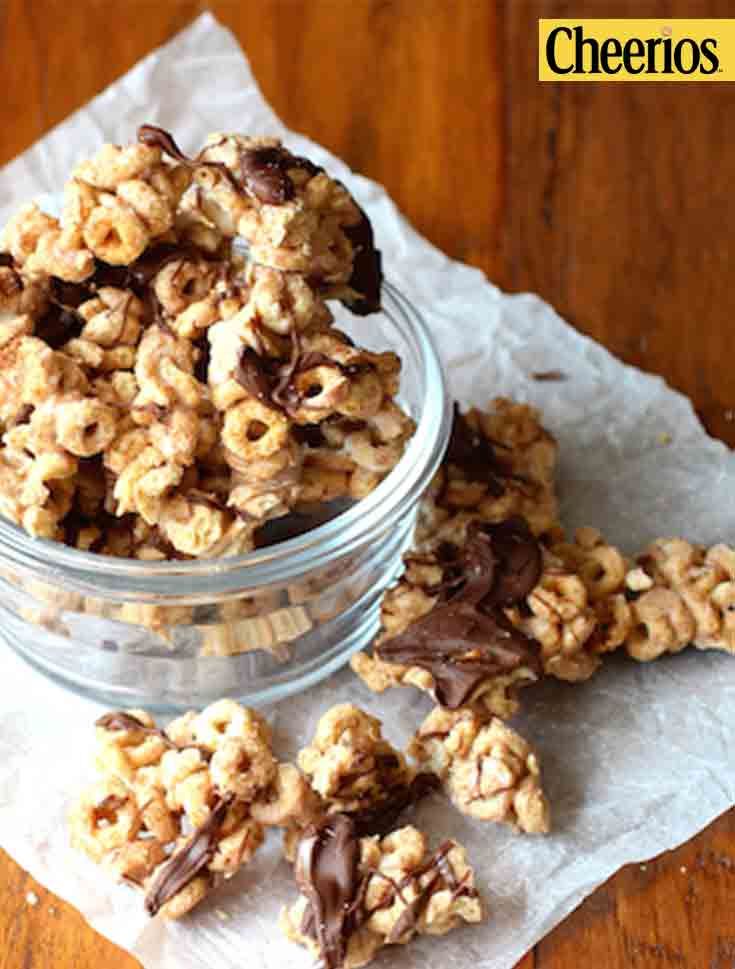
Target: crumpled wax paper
[[636, 761]]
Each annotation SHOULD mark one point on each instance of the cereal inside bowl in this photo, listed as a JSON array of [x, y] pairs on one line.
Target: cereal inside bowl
[[193, 350]]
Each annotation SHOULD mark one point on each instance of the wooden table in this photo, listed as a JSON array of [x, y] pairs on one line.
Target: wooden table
[[614, 202]]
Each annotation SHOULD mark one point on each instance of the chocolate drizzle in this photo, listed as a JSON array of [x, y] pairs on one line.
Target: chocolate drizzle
[[285, 394], [185, 864], [272, 381], [327, 873], [119, 721], [381, 818], [310, 435], [476, 456], [257, 375], [367, 268], [155, 137], [58, 325], [467, 639], [441, 870]]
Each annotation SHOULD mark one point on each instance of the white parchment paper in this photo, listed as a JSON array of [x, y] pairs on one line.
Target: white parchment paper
[[636, 761]]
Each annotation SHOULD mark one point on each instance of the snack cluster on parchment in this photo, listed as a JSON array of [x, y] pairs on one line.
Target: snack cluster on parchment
[[164, 395], [493, 597]]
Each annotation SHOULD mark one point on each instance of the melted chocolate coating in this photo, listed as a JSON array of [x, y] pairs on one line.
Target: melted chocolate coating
[[519, 556], [155, 137], [58, 325], [118, 720], [6, 260], [70, 294], [272, 382], [310, 435], [61, 322], [185, 864], [475, 455], [367, 269], [327, 874], [201, 367], [255, 375], [140, 274], [500, 565], [382, 817], [264, 173]]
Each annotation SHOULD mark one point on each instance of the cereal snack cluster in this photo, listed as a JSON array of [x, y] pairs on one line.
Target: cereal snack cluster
[[354, 771], [493, 597], [175, 811], [349, 764], [673, 595], [489, 770], [157, 381], [500, 462], [361, 894]]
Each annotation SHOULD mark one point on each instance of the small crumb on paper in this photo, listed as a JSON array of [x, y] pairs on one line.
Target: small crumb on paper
[[32, 899], [549, 375], [664, 438]]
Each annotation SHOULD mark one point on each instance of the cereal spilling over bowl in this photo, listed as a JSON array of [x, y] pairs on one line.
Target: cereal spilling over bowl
[[165, 395]]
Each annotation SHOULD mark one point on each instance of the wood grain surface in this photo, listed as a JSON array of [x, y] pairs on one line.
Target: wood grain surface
[[613, 201]]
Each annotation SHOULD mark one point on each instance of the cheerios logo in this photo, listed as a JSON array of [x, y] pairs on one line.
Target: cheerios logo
[[636, 50]]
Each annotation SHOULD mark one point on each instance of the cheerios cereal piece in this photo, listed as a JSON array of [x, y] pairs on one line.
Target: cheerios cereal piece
[[119, 214], [104, 819]]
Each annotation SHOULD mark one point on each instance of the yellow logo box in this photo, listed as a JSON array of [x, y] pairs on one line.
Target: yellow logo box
[[636, 50]]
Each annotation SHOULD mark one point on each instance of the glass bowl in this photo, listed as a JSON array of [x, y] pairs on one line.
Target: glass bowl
[[175, 635]]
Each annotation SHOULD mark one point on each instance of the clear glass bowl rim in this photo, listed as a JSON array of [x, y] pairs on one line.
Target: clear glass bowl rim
[[187, 580]]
